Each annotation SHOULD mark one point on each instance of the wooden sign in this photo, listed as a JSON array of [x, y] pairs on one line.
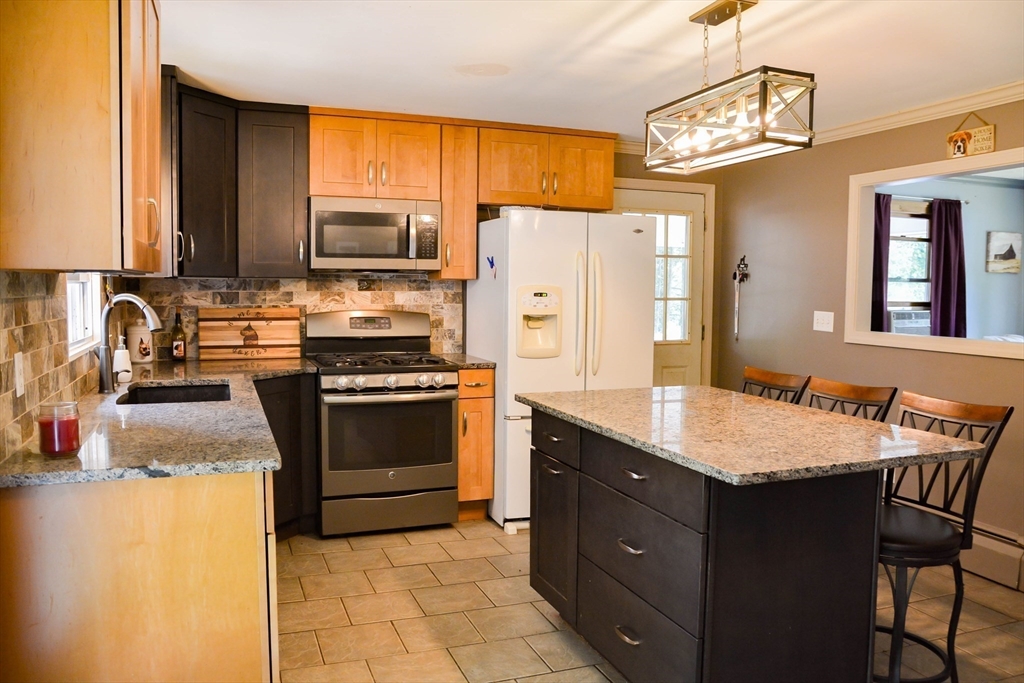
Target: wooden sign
[[235, 333], [966, 143]]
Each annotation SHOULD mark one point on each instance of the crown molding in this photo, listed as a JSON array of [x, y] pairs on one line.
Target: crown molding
[[1004, 94]]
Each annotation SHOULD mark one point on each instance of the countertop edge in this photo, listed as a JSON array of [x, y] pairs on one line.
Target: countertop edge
[[125, 473], [745, 479]]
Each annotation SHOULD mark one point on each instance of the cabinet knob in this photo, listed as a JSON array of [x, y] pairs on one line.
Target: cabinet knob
[[633, 475], [383, 173], [181, 247], [369, 173], [192, 244], [159, 228], [465, 422], [447, 254], [629, 549], [543, 182], [549, 469], [552, 439], [302, 251], [554, 183], [624, 638], [475, 385]]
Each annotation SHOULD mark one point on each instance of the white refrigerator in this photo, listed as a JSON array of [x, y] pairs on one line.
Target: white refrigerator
[[563, 301]]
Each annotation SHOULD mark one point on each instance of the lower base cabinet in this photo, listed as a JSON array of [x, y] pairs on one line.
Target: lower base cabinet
[[554, 496], [171, 578]]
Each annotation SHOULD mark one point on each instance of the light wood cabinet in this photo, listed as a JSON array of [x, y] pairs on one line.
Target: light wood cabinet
[[581, 172], [80, 148], [145, 580], [476, 435], [356, 157], [541, 169], [459, 153]]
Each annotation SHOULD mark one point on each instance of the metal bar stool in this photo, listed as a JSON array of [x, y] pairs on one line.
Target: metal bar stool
[[928, 515], [776, 386], [871, 403]]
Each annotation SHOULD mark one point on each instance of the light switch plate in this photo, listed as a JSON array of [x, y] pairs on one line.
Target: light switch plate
[[19, 374], [823, 321]]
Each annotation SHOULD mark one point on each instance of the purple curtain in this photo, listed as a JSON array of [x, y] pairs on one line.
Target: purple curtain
[[949, 283], [880, 269]]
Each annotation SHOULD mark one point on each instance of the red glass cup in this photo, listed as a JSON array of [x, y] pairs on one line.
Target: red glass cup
[[59, 428]]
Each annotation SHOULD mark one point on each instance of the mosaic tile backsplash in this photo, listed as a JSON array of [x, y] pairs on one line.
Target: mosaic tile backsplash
[[442, 299], [33, 317]]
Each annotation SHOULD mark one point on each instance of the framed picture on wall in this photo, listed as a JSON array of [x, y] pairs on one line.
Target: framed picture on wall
[[1002, 252]]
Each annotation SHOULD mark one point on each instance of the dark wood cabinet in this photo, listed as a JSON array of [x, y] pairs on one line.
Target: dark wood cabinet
[[208, 227], [273, 187], [288, 403], [554, 512]]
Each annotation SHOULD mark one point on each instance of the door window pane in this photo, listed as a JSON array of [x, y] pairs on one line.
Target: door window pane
[[659, 231], [679, 235], [676, 323], [659, 320], [659, 278], [678, 277]]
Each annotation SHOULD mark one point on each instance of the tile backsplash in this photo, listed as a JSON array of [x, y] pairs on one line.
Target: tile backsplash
[[442, 299], [33, 318]]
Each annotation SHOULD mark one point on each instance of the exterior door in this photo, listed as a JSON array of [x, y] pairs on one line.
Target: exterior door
[[679, 280]]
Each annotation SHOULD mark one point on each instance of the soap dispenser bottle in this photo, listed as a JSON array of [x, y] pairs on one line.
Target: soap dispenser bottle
[[122, 363]]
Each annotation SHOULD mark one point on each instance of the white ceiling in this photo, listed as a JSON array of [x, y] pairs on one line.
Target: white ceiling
[[588, 64]]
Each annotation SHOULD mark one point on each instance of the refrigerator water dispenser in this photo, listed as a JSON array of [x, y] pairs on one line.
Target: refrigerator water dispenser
[[539, 314]]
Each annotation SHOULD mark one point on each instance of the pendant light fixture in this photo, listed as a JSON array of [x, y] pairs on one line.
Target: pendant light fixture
[[754, 114]]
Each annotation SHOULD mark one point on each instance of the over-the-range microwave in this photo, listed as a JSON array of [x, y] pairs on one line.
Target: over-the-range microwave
[[373, 234]]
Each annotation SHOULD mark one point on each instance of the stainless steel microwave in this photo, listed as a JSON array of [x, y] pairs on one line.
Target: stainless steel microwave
[[373, 234]]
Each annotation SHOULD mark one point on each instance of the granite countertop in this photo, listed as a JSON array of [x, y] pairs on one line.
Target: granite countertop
[[742, 439], [468, 362], [168, 439]]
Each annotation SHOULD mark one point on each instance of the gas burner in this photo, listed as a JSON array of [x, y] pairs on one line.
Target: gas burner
[[378, 360]]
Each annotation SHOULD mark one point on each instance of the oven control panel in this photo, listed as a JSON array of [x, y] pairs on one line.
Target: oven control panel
[[377, 323], [389, 382]]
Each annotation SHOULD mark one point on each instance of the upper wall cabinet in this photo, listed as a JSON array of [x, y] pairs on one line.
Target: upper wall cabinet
[[356, 157], [541, 169], [273, 185], [80, 148], [458, 202]]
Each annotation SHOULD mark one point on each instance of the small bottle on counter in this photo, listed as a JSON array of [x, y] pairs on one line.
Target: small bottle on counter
[[58, 428], [178, 351]]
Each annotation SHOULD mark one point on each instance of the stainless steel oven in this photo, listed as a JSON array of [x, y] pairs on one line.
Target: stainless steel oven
[[374, 234]]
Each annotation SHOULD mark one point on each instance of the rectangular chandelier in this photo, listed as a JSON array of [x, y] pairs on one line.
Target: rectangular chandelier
[[756, 114]]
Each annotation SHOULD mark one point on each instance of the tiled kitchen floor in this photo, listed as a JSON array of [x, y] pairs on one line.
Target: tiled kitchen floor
[[454, 604]]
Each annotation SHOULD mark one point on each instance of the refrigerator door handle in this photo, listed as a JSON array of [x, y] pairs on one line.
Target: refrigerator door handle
[[595, 363], [581, 267]]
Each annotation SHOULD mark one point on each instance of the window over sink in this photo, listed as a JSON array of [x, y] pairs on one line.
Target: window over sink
[[84, 306]]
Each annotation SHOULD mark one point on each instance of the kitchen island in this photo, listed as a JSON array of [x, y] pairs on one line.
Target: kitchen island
[[694, 533], [149, 554]]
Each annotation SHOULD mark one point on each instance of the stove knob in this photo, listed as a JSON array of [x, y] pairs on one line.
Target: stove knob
[[439, 380], [342, 382], [391, 381], [423, 381], [359, 382]]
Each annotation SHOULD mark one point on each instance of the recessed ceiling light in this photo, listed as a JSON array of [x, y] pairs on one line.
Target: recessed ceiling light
[[482, 69]]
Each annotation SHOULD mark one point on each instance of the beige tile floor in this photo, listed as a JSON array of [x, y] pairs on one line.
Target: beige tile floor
[[454, 604]]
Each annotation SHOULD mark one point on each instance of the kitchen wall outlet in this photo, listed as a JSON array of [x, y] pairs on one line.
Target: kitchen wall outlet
[[823, 321], [19, 374]]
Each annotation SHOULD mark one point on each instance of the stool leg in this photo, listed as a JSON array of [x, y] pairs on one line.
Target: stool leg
[[900, 599], [954, 619]]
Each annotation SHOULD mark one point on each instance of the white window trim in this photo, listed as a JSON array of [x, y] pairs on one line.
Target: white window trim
[[708, 308], [83, 346], [859, 256]]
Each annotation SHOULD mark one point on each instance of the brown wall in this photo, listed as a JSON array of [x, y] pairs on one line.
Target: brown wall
[[788, 214]]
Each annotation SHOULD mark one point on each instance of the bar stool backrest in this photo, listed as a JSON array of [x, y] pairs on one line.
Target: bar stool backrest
[[776, 386], [870, 403], [947, 488]]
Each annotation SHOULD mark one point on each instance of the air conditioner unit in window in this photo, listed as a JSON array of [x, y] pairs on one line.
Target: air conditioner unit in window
[[911, 322]]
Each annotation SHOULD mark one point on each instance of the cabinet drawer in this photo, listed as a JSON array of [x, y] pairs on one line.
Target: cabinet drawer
[[557, 438], [476, 383], [660, 651], [660, 560], [671, 489]]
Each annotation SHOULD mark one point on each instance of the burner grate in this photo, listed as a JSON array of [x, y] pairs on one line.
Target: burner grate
[[370, 360]]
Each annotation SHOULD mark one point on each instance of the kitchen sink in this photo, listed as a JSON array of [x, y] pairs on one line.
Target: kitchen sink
[[177, 393]]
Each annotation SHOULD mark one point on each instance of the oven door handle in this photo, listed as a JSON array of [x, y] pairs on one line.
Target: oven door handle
[[369, 399]]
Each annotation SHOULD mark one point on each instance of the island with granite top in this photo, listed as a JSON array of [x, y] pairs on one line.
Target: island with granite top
[[699, 534], [150, 554]]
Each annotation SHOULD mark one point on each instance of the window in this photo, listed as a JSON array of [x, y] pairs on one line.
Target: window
[[672, 275], [84, 306], [910, 286]]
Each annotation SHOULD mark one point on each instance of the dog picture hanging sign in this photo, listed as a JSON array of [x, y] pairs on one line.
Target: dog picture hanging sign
[[966, 143]]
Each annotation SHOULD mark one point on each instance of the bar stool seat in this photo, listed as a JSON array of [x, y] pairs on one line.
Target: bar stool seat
[[908, 533]]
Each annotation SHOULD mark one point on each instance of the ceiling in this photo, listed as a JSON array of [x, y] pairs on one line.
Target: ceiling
[[588, 64]]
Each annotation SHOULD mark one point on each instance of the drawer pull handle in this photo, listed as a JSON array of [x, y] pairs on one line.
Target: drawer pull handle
[[633, 475], [624, 638], [475, 385], [549, 469], [631, 551], [553, 439]]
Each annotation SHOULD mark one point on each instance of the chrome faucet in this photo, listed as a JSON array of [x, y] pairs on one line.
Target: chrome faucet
[[103, 352]]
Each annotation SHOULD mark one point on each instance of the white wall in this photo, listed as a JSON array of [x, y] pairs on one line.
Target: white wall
[[995, 301]]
